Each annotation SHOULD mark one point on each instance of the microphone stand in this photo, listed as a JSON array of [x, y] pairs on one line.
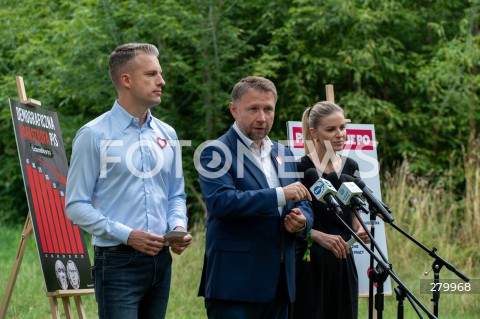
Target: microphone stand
[[400, 297], [437, 265], [387, 269], [370, 279], [400, 294], [375, 275]]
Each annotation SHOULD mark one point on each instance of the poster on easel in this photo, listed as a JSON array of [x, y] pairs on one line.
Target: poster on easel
[[61, 245], [360, 145]]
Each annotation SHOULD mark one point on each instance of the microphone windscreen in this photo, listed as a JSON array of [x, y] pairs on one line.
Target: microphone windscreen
[[359, 183], [310, 177], [333, 178], [347, 178]]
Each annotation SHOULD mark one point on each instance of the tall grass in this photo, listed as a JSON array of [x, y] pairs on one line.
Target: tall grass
[[430, 211], [433, 213]]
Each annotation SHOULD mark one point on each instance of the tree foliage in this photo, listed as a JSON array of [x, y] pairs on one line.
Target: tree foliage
[[409, 67]]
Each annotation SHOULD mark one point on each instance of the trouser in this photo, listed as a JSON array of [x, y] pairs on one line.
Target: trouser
[[130, 284]]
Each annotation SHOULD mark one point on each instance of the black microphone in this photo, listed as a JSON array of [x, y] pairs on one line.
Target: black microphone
[[374, 202], [322, 189]]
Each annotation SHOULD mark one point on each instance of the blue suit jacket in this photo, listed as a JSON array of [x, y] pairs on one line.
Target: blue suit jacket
[[245, 237]]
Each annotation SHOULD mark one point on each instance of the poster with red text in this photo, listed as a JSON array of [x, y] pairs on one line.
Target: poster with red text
[[61, 246]]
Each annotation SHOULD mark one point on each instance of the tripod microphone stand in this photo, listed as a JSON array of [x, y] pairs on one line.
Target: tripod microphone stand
[[386, 268], [437, 265], [378, 276]]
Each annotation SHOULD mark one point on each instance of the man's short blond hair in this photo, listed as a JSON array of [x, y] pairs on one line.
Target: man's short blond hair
[[252, 83], [124, 54]]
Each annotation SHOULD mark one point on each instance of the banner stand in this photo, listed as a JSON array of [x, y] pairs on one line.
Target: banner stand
[[26, 234]]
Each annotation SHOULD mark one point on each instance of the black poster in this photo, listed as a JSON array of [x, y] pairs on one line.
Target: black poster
[[61, 245]]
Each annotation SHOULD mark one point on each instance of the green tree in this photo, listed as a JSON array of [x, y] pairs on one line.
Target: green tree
[[409, 67]]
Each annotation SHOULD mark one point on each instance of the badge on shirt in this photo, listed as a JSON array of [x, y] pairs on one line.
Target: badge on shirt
[[279, 160], [162, 142]]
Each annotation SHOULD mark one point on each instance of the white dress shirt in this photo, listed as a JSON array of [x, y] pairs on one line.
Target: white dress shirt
[[265, 164]]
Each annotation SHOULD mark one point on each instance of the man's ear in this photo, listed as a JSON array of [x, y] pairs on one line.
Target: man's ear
[[126, 80], [233, 110]]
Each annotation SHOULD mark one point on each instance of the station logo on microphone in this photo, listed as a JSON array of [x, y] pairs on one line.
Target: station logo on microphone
[[318, 189]]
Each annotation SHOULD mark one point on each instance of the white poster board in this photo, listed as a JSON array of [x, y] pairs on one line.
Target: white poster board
[[360, 146]]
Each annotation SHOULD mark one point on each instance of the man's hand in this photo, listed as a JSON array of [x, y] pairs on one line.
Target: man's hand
[[147, 243], [296, 192], [179, 244], [295, 221]]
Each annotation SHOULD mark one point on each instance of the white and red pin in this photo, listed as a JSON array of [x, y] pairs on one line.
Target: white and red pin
[[279, 160], [162, 142]]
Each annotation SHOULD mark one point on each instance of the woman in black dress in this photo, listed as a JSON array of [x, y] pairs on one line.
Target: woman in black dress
[[327, 282]]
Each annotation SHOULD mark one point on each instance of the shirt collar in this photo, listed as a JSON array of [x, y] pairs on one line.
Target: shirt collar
[[126, 119], [267, 143]]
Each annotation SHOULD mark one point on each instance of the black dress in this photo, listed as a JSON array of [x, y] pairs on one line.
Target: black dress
[[327, 287]]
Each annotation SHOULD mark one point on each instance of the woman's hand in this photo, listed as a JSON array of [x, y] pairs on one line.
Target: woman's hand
[[334, 243], [363, 235], [357, 226]]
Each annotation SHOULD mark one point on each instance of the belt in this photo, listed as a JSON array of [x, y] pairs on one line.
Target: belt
[[120, 247]]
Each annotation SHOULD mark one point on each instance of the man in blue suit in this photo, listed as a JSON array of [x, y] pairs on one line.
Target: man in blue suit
[[256, 208]]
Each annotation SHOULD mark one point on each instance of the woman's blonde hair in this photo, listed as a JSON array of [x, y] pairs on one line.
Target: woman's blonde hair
[[312, 117]]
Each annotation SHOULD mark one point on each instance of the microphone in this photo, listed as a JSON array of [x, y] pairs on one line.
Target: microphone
[[374, 202], [322, 189], [349, 193]]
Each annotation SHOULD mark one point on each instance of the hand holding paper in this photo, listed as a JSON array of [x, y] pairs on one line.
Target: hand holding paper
[[179, 239]]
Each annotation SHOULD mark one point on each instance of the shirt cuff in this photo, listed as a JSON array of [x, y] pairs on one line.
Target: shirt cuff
[[121, 232], [176, 223], [280, 197]]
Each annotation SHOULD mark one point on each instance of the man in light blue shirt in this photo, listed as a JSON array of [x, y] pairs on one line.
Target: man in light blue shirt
[[125, 187]]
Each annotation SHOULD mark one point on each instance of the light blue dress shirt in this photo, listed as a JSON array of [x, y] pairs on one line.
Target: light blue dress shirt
[[124, 177]]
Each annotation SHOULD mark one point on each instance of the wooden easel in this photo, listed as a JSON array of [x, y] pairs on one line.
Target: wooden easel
[[26, 234], [331, 98]]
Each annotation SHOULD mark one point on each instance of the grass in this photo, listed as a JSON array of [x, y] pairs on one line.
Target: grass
[[429, 212], [30, 302]]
